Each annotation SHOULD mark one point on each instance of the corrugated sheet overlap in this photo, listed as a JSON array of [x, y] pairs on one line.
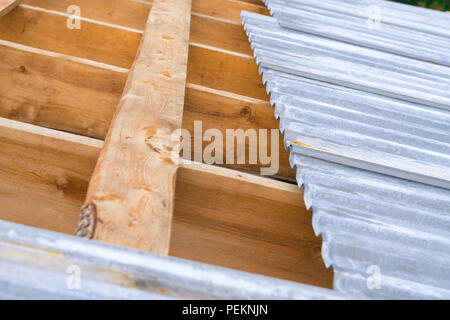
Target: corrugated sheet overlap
[[365, 114]]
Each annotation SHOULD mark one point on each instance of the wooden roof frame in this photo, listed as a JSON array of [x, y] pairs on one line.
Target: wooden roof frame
[[49, 159], [7, 5]]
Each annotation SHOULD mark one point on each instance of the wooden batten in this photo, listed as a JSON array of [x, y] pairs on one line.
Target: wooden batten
[[226, 9], [221, 216], [246, 222], [47, 30], [44, 175], [219, 33], [7, 6], [133, 187], [125, 13]]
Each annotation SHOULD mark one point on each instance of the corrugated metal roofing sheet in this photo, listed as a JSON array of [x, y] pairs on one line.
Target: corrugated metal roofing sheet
[[30, 257], [370, 23], [368, 132]]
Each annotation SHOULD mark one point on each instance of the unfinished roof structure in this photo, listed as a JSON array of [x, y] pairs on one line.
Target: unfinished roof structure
[[88, 104], [94, 95]]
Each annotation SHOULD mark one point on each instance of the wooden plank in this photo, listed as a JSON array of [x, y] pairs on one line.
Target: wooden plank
[[7, 6], [222, 110], [226, 9], [225, 70], [219, 33], [44, 175], [47, 30], [126, 13], [58, 91], [257, 2], [246, 222], [131, 192], [221, 216]]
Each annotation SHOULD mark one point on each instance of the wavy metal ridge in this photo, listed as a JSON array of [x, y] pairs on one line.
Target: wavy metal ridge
[[368, 132]]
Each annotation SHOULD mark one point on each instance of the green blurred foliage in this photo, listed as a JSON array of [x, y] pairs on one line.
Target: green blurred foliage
[[443, 5]]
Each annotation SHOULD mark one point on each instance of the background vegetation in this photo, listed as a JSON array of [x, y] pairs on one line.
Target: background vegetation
[[434, 4]]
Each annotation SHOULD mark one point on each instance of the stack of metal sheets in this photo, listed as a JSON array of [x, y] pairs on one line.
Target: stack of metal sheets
[[364, 106]]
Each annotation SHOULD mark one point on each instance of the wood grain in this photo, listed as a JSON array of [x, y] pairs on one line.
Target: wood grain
[[226, 9], [241, 221], [58, 91], [222, 216], [43, 175], [133, 185], [220, 33], [222, 110], [126, 13], [47, 30], [223, 70], [7, 6]]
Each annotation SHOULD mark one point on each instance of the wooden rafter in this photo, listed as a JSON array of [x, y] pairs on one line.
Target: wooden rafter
[[8, 5], [131, 193], [74, 82]]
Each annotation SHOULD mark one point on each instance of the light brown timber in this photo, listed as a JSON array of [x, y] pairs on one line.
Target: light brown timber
[[133, 185], [222, 217], [222, 110], [126, 13], [43, 175], [58, 91], [47, 30]]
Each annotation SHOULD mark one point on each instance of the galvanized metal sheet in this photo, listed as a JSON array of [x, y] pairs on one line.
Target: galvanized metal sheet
[[371, 148], [39, 264], [309, 56], [355, 127], [391, 13], [384, 237], [369, 24]]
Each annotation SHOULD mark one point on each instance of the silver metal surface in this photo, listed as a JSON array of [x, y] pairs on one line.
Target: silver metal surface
[[323, 59], [354, 127], [39, 264], [391, 13], [370, 24], [371, 147], [384, 237]]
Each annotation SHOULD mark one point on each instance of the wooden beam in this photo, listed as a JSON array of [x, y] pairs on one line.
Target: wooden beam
[[7, 6], [126, 13], [226, 9], [257, 2], [225, 70], [58, 94], [58, 91], [44, 175], [220, 33], [222, 110], [246, 222], [47, 30], [221, 216], [131, 193]]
